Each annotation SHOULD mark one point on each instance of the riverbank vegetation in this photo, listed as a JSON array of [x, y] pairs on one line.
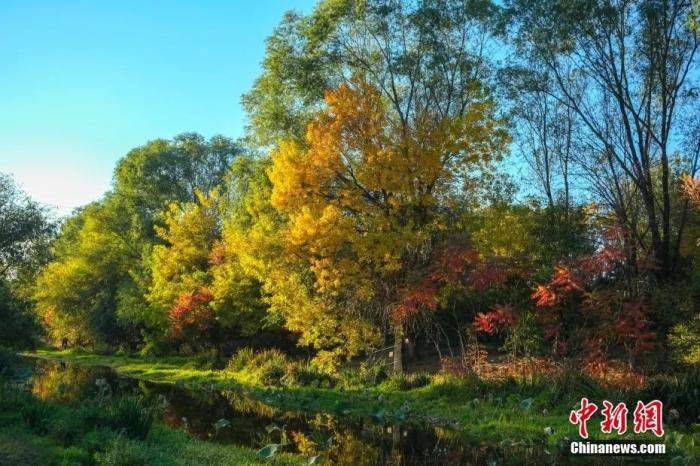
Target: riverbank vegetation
[[519, 409], [103, 430], [370, 231]]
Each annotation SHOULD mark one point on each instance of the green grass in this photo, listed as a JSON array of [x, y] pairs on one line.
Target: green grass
[[489, 411], [36, 432]]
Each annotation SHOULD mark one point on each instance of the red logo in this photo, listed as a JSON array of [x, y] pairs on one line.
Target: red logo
[[646, 417]]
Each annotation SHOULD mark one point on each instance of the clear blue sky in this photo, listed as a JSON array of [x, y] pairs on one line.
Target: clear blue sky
[[82, 82]]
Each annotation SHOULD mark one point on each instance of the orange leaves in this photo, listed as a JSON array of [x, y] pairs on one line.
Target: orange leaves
[[562, 284], [691, 187], [191, 312], [544, 296], [496, 320], [415, 300], [632, 329]]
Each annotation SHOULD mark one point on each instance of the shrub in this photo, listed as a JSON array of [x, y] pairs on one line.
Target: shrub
[[208, 359], [240, 360], [71, 456], [571, 385], [680, 392], [399, 382], [267, 367], [684, 341], [121, 453], [97, 440], [366, 375], [38, 416], [304, 374], [92, 415], [129, 415], [155, 346]]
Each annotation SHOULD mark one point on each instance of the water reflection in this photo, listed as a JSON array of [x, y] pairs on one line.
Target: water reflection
[[231, 417]]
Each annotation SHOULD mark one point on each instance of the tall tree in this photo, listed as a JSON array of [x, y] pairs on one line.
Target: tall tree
[[368, 201], [624, 68], [419, 55], [96, 285], [25, 233]]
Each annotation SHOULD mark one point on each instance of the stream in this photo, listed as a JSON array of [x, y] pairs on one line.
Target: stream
[[231, 418]]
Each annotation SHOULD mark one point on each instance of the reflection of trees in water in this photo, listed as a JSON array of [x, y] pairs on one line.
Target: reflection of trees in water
[[62, 382], [245, 405], [336, 440]]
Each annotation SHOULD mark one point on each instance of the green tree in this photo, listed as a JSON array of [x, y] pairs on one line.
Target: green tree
[[25, 232]]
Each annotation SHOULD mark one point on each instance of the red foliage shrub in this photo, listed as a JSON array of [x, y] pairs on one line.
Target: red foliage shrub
[[192, 312], [571, 305], [496, 320]]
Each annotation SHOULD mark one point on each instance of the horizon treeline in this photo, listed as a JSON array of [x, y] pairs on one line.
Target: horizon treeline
[[449, 172]]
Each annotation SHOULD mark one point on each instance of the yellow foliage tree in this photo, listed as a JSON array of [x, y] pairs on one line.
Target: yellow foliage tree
[[366, 198]]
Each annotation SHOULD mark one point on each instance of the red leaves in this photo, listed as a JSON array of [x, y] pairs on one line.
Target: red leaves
[[632, 329], [191, 311], [424, 297], [498, 319], [447, 266], [488, 274], [571, 308]]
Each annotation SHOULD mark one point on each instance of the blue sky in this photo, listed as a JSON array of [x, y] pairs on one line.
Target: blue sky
[[82, 82]]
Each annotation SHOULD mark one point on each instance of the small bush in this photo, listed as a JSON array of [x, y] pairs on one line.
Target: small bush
[[155, 347], [129, 415], [121, 453], [97, 440], [66, 429], [680, 392], [92, 415], [38, 416], [267, 367], [208, 359], [304, 374], [366, 375], [240, 360], [399, 382], [570, 385], [71, 456]]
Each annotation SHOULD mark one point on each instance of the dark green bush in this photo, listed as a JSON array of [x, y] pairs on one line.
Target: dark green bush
[[131, 416], [121, 453], [97, 440], [208, 359], [8, 359], [680, 392], [37, 415]]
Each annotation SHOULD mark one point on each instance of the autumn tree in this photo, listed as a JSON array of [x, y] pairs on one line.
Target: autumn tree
[[367, 199], [77, 292], [419, 55]]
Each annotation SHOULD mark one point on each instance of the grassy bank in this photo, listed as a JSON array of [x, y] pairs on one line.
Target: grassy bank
[[108, 432], [517, 411]]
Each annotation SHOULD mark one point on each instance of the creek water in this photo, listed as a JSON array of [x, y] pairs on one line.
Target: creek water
[[232, 418]]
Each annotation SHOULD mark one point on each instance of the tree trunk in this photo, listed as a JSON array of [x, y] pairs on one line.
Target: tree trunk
[[398, 350]]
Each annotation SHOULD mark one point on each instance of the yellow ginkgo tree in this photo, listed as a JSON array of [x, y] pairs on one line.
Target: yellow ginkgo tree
[[368, 198]]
